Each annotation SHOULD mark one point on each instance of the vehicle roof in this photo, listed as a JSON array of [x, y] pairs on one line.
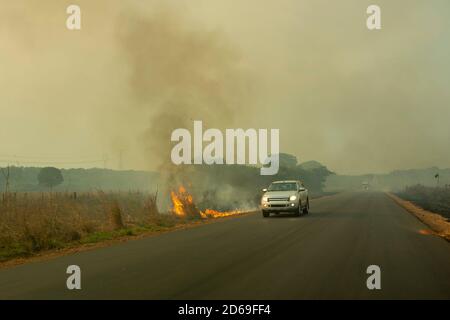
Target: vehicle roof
[[286, 181]]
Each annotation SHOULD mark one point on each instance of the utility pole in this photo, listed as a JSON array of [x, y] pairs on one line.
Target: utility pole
[[6, 176]]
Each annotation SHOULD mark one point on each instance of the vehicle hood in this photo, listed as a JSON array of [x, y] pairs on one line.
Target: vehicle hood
[[280, 194]]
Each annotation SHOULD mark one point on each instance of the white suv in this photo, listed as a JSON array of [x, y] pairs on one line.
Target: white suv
[[285, 196]]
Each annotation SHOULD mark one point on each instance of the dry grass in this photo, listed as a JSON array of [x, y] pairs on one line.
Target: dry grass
[[34, 222], [436, 222], [433, 199]]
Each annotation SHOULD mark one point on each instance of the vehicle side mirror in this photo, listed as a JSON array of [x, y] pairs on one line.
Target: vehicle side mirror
[[264, 190], [302, 189]]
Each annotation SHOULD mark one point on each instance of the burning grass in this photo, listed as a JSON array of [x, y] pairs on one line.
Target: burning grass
[[184, 206], [34, 222]]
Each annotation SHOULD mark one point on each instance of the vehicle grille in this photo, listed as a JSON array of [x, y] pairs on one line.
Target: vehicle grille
[[279, 199]]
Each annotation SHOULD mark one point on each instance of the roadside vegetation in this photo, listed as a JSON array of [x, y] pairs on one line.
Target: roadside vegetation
[[35, 222], [435, 199]]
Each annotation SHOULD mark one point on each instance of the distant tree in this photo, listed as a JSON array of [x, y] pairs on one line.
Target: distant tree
[[50, 177], [287, 160]]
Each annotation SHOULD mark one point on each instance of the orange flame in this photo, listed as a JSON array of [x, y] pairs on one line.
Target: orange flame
[[210, 213], [180, 200], [183, 205]]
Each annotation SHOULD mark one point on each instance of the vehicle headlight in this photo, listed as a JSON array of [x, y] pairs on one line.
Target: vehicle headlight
[[293, 198], [265, 198]]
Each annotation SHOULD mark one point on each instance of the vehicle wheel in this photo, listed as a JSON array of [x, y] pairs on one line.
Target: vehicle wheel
[[298, 213], [265, 214], [306, 209]]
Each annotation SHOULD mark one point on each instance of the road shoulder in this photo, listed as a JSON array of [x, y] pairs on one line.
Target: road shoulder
[[438, 224]]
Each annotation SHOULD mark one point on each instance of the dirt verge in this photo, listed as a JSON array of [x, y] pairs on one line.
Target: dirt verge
[[436, 222]]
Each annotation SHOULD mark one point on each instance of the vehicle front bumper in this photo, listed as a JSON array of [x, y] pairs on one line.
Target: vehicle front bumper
[[279, 206]]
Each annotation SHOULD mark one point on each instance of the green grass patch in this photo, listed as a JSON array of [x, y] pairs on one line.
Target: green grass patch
[[19, 250]]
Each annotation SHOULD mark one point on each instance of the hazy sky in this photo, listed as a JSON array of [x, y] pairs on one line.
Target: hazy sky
[[356, 100]]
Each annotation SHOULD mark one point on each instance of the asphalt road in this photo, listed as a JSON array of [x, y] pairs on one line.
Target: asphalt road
[[320, 256]]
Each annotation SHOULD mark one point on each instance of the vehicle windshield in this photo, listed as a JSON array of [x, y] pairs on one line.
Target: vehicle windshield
[[283, 186]]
